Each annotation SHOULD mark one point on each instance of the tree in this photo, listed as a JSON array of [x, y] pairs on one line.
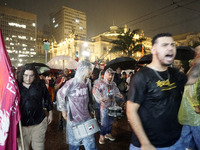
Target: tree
[[127, 43]]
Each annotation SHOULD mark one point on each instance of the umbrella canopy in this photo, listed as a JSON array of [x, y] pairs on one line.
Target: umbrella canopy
[[146, 59], [184, 53], [62, 61], [123, 62], [40, 67]]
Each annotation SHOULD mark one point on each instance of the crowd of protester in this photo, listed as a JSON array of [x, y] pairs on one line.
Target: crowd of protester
[[151, 107]]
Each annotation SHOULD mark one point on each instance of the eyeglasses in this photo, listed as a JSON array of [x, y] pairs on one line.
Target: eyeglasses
[[30, 76]]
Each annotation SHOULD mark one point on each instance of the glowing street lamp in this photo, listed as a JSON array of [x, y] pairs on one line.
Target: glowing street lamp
[[85, 44], [86, 54]]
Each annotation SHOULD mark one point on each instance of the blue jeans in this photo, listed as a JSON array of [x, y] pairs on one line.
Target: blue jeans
[[177, 146], [191, 136], [106, 122], [88, 142], [97, 105]]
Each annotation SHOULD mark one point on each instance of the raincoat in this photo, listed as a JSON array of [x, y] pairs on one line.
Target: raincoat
[[74, 94], [105, 90], [73, 98], [191, 98]]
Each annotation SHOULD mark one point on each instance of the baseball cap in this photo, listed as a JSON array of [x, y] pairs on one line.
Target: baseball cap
[[109, 70]]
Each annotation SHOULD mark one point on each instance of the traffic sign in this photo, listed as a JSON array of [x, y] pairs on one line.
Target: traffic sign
[[46, 45]]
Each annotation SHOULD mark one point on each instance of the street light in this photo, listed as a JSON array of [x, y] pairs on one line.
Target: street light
[[85, 44], [86, 54]]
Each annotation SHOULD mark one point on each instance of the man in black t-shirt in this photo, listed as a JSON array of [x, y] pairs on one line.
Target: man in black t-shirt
[[154, 98]]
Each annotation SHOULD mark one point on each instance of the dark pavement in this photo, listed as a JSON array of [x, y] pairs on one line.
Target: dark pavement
[[55, 137]]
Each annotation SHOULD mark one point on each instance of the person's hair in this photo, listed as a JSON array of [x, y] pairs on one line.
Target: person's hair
[[29, 67], [119, 68], [160, 35], [131, 72], [124, 73]]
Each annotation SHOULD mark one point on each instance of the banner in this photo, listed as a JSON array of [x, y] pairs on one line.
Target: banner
[[9, 101]]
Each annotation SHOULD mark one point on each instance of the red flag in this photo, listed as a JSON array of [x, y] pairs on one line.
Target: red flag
[[9, 101]]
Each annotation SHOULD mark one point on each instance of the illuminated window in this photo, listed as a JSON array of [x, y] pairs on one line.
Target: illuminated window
[[9, 51], [56, 26], [33, 53], [81, 28], [53, 20], [77, 21], [21, 55], [33, 24], [21, 37], [17, 25]]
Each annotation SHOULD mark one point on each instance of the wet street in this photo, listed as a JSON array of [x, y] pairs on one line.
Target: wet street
[[55, 137]]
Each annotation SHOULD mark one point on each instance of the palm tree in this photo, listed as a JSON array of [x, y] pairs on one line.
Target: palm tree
[[127, 43]]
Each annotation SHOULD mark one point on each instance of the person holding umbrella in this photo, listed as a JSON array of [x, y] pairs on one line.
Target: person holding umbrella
[[154, 98]]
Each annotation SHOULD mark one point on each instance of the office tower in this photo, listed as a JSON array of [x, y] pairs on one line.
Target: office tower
[[19, 32], [67, 22]]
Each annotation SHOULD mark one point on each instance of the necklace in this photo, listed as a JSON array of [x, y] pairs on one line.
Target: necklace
[[161, 78]]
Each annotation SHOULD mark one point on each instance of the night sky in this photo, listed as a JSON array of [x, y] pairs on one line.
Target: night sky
[[153, 16]]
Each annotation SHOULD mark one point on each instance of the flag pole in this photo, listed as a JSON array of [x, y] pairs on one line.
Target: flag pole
[[20, 130]]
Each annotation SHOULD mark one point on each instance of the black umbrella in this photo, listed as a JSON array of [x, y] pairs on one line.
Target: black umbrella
[[184, 53], [146, 59], [40, 67], [123, 62]]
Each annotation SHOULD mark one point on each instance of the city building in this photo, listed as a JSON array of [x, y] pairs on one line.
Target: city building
[[97, 49], [186, 39], [19, 32], [67, 21]]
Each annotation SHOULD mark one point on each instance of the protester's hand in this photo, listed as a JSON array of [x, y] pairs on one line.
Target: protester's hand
[[64, 114], [62, 80], [120, 95], [197, 109], [50, 117], [148, 147], [112, 99], [104, 100]]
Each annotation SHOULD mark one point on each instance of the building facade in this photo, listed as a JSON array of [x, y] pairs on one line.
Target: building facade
[[67, 21], [187, 39], [19, 32], [96, 50]]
